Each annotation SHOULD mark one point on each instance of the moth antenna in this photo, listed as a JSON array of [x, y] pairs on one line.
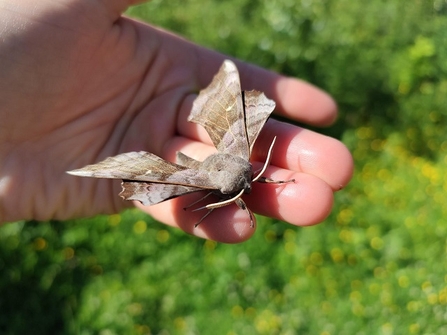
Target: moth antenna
[[261, 179], [267, 161], [220, 203], [225, 202]]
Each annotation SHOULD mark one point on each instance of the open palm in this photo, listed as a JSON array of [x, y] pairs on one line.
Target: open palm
[[79, 83]]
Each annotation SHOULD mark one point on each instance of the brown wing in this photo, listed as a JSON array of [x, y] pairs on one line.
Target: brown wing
[[219, 109], [151, 193], [257, 110], [187, 161], [144, 166]]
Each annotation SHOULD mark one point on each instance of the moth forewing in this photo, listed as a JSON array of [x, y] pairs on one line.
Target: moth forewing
[[146, 167], [152, 193], [131, 165], [219, 109]]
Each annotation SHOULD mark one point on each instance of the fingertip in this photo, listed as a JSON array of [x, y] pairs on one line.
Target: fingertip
[[227, 225], [295, 98], [305, 202], [308, 207], [300, 100]]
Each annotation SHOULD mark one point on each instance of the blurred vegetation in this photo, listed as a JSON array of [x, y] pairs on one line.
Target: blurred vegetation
[[378, 265]]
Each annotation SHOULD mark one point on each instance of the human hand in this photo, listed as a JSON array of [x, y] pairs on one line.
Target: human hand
[[79, 83]]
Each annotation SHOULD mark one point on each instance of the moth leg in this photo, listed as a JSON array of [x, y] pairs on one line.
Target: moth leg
[[197, 201], [236, 199], [241, 204], [203, 217], [271, 181]]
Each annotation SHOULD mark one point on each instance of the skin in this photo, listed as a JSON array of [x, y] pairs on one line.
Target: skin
[[79, 82]]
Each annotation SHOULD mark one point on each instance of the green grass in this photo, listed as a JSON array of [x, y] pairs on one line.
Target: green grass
[[377, 265]]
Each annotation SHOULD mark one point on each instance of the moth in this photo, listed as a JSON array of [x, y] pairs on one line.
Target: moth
[[233, 120]]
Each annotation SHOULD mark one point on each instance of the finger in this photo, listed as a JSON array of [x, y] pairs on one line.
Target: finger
[[228, 224], [306, 151], [310, 196], [307, 201], [296, 149], [295, 99]]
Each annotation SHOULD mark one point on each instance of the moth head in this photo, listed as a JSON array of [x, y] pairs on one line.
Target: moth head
[[228, 173]]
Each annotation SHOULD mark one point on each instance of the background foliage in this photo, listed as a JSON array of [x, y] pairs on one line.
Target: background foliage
[[378, 265]]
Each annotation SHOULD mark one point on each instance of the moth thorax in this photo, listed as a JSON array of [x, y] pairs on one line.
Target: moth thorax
[[229, 174]]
